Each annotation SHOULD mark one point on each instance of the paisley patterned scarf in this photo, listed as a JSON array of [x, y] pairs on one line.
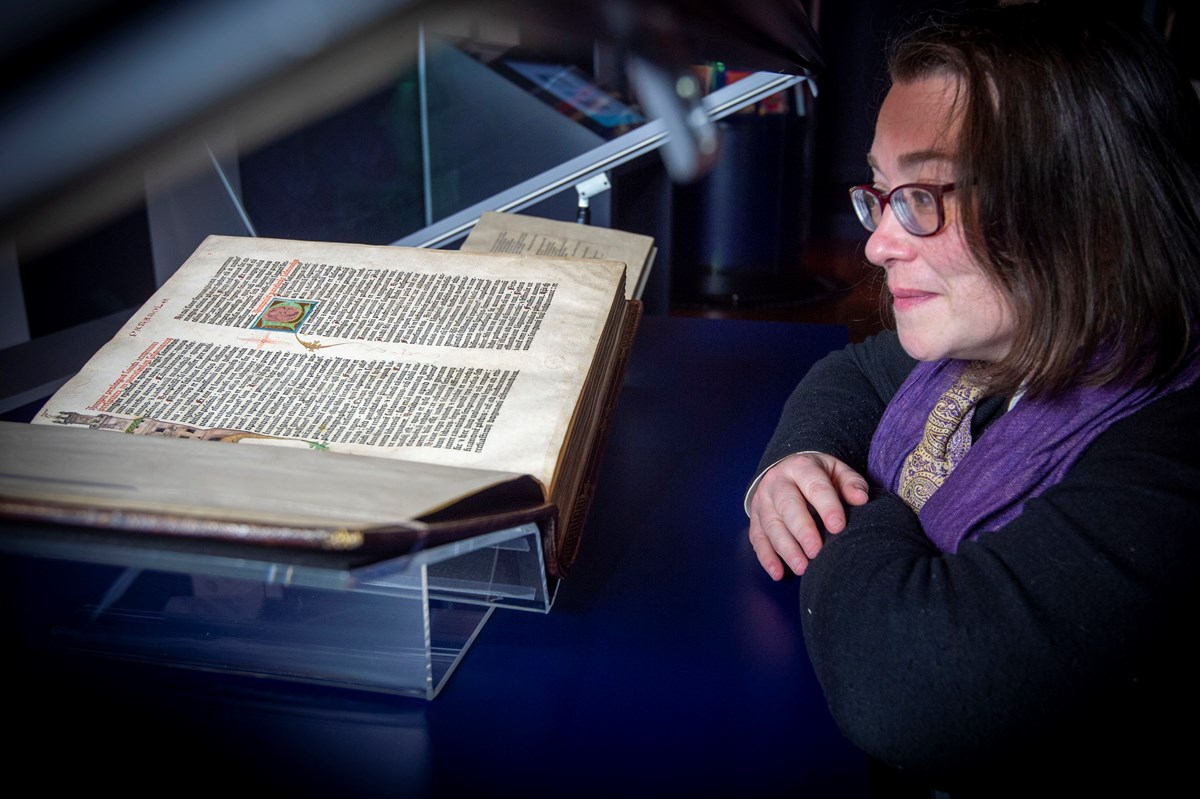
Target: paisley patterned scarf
[[945, 441], [1024, 452]]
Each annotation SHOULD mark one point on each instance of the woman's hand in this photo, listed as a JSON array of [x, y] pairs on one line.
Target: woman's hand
[[783, 529]]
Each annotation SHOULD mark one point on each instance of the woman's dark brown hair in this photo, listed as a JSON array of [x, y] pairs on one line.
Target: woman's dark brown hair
[[1079, 183]]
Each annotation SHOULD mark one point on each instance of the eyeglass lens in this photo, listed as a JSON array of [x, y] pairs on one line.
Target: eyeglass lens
[[915, 207]]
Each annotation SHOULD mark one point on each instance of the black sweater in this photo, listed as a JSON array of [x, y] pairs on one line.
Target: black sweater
[[1052, 653]]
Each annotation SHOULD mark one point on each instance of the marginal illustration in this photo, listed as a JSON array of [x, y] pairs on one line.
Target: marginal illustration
[[142, 426], [314, 345]]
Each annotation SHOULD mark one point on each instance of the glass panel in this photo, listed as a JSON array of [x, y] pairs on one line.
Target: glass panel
[[448, 134]]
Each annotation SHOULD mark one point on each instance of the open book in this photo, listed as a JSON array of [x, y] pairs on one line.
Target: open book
[[534, 235], [363, 399]]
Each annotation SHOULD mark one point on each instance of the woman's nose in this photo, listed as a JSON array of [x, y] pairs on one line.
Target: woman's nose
[[889, 241]]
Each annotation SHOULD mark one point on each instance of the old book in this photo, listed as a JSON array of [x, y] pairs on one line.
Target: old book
[[329, 397], [534, 235]]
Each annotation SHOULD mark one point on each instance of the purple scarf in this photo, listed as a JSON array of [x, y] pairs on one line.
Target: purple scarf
[[1024, 452]]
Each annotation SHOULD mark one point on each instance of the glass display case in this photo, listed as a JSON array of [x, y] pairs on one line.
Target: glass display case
[[380, 122]]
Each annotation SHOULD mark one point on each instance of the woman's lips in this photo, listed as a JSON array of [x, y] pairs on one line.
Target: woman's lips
[[905, 299]]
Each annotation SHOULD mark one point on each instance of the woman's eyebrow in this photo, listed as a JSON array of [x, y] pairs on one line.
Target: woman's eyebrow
[[916, 158], [923, 157]]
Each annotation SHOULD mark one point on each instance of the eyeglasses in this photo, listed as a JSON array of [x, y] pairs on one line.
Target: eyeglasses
[[918, 206]]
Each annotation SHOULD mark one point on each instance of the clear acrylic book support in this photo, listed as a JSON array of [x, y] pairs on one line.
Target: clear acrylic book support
[[397, 626]]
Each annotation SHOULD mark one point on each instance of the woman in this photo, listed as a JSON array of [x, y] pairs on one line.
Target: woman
[[1010, 611]]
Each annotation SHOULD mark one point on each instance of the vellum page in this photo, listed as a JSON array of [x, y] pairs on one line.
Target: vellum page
[[424, 355], [531, 235]]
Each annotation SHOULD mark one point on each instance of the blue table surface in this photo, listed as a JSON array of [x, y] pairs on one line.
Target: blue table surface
[[669, 661]]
